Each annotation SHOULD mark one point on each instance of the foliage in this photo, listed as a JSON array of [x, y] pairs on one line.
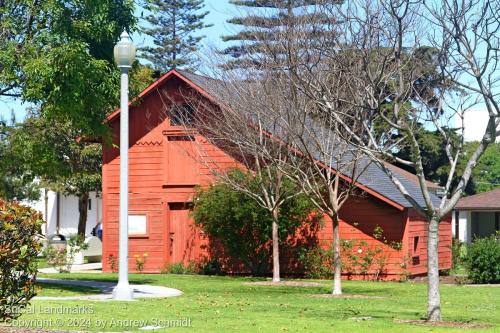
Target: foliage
[[19, 247], [239, 228], [483, 260], [434, 159], [210, 267], [113, 263], [140, 261], [486, 174], [260, 25], [56, 257], [52, 151], [171, 24], [317, 262], [180, 268], [58, 54], [16, 181], [141, 76], [62, 257], [358, 258], [458, 253]]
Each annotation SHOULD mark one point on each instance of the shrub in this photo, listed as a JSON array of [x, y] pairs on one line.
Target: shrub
[[62, 258], [483, 260], [140, 261], [179, 268], [113, 263], [19, 247], [458, 253], [239, 228], [317, 262], [210, 267]]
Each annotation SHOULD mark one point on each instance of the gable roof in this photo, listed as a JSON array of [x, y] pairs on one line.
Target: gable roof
[[373, 179], [481, 201]]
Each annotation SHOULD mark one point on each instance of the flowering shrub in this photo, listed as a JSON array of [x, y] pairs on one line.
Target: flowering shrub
[[113, 263], [20, 243], [140, 262], [62, 258]]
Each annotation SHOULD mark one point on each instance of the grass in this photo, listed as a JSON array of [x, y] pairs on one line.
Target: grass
[[49, 289], [226, 304]]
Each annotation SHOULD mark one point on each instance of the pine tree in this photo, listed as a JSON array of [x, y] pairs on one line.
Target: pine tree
[[263, 24], [171, 25]]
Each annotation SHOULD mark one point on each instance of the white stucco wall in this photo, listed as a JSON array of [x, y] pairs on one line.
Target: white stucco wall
[[68, 213]]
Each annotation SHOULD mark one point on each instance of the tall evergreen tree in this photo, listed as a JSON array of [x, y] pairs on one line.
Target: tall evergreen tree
[[265, 21], [171, 25]]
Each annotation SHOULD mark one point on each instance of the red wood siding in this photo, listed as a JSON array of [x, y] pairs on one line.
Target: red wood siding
[[360, 216], [416, 254]]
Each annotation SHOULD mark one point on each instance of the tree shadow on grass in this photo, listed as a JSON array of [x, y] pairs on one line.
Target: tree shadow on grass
[[49, 289]]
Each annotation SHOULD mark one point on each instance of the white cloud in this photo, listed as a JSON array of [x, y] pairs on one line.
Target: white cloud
[[475, 122]]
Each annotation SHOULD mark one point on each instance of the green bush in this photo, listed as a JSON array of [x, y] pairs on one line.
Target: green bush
[[458, 253], [180, 268], [20, 243], [239, 229], [317, 262], [483, 260]]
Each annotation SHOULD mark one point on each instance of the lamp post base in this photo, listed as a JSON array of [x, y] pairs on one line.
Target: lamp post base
[[123, 292]]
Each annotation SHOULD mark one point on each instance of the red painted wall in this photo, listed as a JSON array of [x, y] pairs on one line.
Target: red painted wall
[[416, 243], [164, 171]]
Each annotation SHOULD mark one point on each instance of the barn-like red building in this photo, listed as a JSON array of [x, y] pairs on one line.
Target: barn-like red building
[[163, 177]]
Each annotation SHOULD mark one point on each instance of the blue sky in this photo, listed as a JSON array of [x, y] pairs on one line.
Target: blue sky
[[220, 12]]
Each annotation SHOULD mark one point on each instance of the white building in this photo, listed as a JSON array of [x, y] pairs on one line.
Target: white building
[[61, 213], [477, 216]]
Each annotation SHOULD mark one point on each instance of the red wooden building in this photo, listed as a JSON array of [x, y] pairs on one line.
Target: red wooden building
[[163, 176]]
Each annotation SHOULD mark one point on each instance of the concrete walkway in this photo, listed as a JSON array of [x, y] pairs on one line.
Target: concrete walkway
[[83, 268], [140, 290]]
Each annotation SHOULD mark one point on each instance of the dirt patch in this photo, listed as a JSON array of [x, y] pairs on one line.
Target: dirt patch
[[446, 279], [455, 324], [346, 296], [284, 283]]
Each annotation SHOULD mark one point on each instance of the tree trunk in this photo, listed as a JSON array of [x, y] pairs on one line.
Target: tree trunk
[[276, 249], [433, 297], [83, 203], [337, 262]]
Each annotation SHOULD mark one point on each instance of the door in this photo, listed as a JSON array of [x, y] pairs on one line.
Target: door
[[182, 234]]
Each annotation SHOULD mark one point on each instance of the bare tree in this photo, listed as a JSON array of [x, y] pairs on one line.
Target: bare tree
[[399, 66], [239, 124], [325, 165]]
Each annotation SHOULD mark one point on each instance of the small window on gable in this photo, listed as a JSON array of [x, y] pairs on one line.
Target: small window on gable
[[181, 115]]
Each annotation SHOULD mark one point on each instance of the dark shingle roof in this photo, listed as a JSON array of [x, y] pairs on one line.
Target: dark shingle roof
[[372, 177]]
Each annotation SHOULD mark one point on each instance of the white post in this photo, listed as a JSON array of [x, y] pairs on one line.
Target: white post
[[123, 291]]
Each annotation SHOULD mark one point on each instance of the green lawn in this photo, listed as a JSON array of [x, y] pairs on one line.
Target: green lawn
[[49, 289], [226, 304]]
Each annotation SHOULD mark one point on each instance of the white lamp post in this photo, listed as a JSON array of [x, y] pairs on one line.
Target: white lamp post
[[124, 54]]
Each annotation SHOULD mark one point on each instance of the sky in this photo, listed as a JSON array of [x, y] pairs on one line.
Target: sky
[[219, 12]]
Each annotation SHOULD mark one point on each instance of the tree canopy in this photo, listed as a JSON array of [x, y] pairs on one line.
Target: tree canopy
[[58, 55], [172, 25]]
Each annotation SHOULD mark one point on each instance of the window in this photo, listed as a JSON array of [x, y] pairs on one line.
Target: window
[[181, 115], [415, 243], [90, 204]]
